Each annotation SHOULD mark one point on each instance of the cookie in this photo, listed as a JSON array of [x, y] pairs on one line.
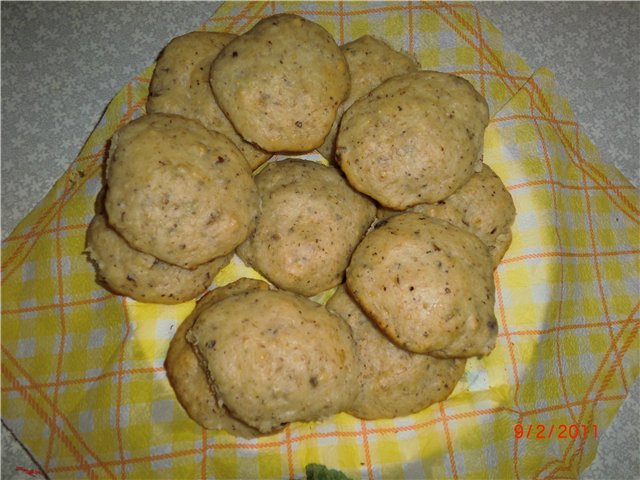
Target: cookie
[[482, 206], [371, 61], [428, 285], [414, 139], [274, 357], [310, 222], [189, 380], [392, 381], [126, 271], [281, 83], [180, 85], [178, 191]]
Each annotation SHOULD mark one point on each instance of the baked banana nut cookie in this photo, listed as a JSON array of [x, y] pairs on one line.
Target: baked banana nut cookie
[[141, 276], [428, 285], [187, 377], [274, 357], [416, 138], [281, 83], [180, 85], [483, 206], [178, 191], [310, 222], [371, 61], [393, 382]]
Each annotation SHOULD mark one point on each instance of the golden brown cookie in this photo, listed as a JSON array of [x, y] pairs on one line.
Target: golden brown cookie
[[416, 138], [428, 285], [482, 206], [127, 271], [310, 222], [274, 357], [178, 191], [189, 380], [180, 85], [371, 61], [393, 382], [281, 83]]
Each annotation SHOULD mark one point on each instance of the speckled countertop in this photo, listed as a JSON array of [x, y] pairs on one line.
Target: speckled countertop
[[63, 62]]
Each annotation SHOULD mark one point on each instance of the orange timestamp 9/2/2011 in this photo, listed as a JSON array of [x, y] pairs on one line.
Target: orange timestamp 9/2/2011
[[562, 430]]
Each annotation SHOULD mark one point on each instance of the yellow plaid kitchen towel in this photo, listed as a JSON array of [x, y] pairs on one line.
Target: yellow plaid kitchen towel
[[83, 383]]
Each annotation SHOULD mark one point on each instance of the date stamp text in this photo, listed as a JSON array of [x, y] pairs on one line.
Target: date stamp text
[[562, 430]]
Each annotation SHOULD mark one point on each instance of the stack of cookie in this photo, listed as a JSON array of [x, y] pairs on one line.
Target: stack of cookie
[[405, 221]]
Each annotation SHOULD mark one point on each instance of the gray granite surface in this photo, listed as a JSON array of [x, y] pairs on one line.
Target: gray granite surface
[[63, 62]]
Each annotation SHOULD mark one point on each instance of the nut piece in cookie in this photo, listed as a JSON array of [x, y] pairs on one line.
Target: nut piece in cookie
[[180, 85], [127, 271], [428, 285], [281, 83], [274, 357], [393, 382], [178, 191], [416, 138], [371, 61], [189, 380], [482, 206], [310, 222]]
